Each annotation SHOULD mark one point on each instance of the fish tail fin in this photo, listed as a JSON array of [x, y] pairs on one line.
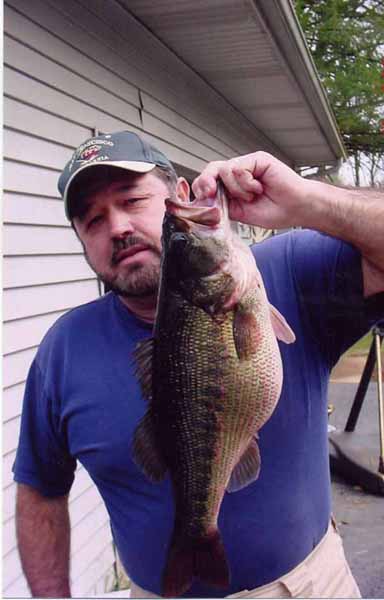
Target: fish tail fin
[[203, 558], [211, 564]]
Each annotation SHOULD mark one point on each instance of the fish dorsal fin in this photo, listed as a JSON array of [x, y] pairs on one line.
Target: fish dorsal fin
[[247, 469], [280, 326], [145, 451], [143, 356]]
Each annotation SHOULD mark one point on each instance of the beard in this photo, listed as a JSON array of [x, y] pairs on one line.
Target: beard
[[141, 281], [135, 280]]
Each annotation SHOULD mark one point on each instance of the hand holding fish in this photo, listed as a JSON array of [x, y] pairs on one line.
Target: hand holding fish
[[261, 189]]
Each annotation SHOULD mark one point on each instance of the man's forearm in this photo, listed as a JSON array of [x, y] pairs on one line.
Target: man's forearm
[[43, 532], [355, 216]]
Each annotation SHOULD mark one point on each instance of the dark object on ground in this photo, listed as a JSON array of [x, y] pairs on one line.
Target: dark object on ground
[[359, 457]]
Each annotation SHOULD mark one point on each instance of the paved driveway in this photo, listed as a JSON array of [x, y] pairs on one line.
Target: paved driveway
[[359, 515]]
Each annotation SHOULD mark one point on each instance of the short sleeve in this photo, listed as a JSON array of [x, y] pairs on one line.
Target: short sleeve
[[42, 460], [329, 279]]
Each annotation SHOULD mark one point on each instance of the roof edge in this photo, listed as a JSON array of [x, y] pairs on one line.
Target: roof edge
[[283, 25]]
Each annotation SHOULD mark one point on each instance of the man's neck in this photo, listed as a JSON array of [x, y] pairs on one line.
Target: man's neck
[[143, 308]]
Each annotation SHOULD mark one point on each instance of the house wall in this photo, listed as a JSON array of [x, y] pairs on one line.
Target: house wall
[[72, 68]]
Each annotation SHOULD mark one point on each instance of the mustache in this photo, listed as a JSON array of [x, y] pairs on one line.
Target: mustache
[[127, 242]]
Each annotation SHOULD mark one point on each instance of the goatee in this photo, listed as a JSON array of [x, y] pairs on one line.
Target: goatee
[[140, 282], [137, 279]]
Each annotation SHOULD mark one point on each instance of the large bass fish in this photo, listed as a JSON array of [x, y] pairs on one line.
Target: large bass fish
[[212, 375]]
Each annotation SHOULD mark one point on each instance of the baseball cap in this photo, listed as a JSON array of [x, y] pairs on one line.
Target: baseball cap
[[123, 149]]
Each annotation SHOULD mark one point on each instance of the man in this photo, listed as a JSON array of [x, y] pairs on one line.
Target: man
[[83, 402]]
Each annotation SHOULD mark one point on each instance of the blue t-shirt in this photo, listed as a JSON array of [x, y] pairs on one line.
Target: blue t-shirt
[[83, 402]]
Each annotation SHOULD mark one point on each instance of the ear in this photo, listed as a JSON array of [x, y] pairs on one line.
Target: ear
[[183, 189]]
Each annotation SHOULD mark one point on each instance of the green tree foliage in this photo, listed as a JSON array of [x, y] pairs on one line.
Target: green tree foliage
[[346, 39]]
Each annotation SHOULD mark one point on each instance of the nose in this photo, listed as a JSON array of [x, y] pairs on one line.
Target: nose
[[120, 224]]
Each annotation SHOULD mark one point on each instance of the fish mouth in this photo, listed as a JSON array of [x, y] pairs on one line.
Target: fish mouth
[[210, 211]]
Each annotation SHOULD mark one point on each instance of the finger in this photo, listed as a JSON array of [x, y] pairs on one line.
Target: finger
[[206, 183], [247, 181], [232, 185]]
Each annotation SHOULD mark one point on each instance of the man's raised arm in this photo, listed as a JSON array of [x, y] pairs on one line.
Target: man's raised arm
[[266, 192], [43, 533]]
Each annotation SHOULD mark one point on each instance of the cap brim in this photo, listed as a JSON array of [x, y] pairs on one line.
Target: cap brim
[[128, 165]]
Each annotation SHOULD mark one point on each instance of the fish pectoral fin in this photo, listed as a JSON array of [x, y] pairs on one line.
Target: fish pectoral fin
[[143, 356], [145, 450], [247, 469], [245, 331], [280, 326]]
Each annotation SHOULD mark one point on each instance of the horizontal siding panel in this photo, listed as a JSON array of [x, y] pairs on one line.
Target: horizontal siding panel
[[22, 239], [175, 155], [29, 91], [85, 502], [162, 130], [43, 69], [32, 210], [7, 474], [82, 483], [18, 335], [19, 589], [20, 271], [91, 522], [11, 430], [34, 121], [99, 565], [19, 177], [95, 545], [163, 112], [13, 401], [30, 179], [25, 302], [12, 569], [24, 29], [151, 67], [25, 148], [127, 59], [16, 366], [9, 536], [9, 502]]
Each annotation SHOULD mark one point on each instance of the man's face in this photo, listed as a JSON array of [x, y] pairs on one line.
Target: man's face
[[120, 229]]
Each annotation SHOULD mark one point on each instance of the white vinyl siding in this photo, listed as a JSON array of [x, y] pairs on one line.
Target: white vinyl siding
[[71, 67]]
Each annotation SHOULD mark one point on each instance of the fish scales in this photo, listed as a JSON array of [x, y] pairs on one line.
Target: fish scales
[[213, 380]]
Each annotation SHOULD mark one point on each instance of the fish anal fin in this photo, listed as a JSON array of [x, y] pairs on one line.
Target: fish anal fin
[[280, 326], [246, 331], [247, 469], [143, 357], [145, 450]]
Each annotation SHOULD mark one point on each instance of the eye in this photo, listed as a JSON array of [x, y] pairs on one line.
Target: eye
[[94, 221], [130, 201]]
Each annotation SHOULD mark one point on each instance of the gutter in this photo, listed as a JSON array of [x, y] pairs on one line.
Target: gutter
[[281, 23]]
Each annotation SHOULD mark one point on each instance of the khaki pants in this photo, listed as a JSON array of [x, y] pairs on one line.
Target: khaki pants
[[323, 574]]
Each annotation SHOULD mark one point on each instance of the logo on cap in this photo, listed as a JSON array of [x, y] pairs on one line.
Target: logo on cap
[[89, 153]]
